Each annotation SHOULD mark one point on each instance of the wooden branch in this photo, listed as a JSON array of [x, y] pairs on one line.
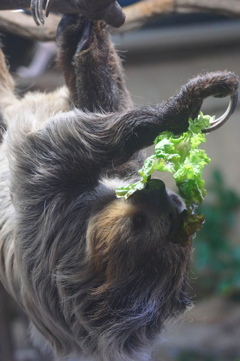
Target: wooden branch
[[139, 13], [136, 15], [24, 25], [223, 7]]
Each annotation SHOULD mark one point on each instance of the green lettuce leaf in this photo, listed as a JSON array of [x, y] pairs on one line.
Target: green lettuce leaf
[[180, 156]]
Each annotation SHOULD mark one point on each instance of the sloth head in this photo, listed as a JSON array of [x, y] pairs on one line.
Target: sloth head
[[115, 283], [142, 237]]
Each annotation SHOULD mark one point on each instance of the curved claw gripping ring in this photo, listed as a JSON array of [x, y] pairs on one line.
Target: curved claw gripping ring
[[112, 15], [37, 7], [217, 123]]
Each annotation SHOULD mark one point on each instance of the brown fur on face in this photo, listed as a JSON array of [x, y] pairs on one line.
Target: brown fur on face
[[125, 233], [132, 227], [107, 226], [96, 275]]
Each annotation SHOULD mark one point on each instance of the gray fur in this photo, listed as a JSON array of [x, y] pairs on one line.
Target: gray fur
[[97, 276]]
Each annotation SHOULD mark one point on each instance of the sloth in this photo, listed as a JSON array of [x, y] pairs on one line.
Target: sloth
[[97, 276]]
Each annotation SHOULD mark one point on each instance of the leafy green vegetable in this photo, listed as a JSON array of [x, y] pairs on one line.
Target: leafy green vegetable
[[181, 156]]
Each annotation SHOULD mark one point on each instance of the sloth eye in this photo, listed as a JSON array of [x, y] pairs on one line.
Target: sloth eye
[[176, 200], [139, 220]]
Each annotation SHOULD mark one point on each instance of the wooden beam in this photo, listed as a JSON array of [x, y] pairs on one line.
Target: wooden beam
[[24, 25], [223, 7], [139, 13], [136, 15]]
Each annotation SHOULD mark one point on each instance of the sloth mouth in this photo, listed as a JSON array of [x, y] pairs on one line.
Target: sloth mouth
[[157, 188], [185, 220], [184, 223]]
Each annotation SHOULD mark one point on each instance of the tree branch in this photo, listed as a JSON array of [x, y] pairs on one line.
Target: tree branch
[[136, 15], [223, 7], [139, 13], [24, 25]]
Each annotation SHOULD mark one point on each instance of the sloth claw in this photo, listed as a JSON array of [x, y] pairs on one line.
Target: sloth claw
[[48, 7], [37, 11], [111, 12], [37, 7]]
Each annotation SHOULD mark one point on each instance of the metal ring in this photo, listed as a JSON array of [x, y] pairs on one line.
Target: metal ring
[[217, 123]]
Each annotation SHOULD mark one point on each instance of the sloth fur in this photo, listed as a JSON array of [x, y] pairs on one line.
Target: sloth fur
[[98, 276]]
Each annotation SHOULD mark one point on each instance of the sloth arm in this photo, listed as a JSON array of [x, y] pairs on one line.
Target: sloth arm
[[72, 149]]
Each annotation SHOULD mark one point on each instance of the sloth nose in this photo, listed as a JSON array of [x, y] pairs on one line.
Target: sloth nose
[[157, 197], [154, 195]]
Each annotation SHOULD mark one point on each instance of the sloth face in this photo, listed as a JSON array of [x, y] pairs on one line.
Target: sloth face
[[146, 227]]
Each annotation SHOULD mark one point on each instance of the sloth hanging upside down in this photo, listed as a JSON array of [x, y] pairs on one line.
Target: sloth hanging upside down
[[98, 276]]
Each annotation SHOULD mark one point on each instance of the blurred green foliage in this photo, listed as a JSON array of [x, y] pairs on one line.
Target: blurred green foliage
[[217, 255]]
